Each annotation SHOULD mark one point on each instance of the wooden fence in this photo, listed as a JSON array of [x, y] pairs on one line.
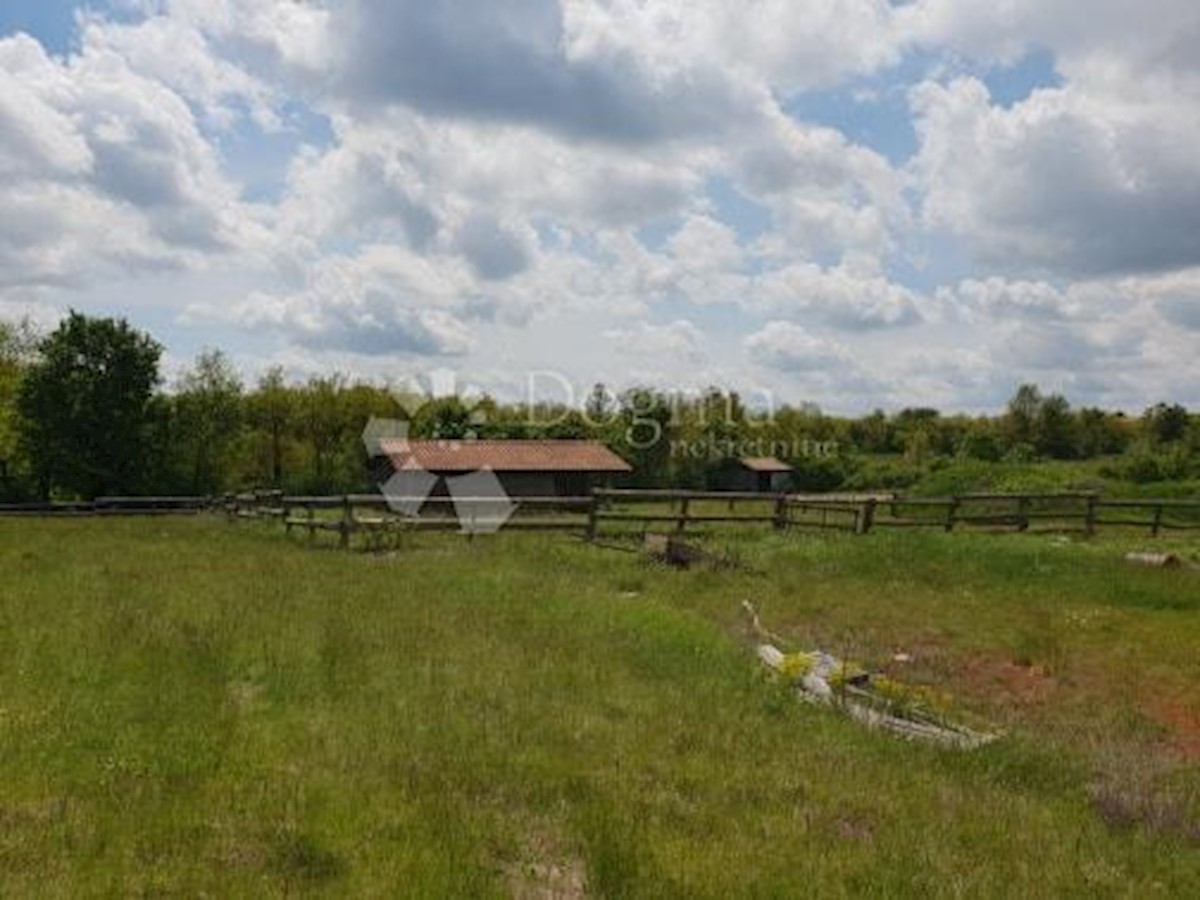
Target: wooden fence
[[110, 506], [862, 514], [378, 517]]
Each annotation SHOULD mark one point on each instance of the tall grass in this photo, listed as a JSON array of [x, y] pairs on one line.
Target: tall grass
[[192, 707]]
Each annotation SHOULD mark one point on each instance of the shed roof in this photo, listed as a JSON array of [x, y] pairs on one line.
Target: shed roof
[[764, 464], [504, 456]]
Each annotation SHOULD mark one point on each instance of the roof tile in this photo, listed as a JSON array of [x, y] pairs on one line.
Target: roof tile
[[504, 456]]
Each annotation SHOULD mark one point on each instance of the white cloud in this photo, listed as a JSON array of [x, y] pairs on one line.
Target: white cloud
[[1080, 32], [840, 297], [775, 42], [496, 250], [508, 180], [1062, 182], [677, 341], [284, 38], [103, 169], [791, 348], [179, 55], [384, 300], [36, 138]]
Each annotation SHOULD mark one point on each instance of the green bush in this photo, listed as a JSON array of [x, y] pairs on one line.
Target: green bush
[[1145, 464], [980, 446], [1021, 453], [821, 474], [884, 473]]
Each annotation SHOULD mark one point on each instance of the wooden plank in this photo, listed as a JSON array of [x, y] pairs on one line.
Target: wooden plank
[[659, 495], [1147, 503], [910, 523], [676, 517]]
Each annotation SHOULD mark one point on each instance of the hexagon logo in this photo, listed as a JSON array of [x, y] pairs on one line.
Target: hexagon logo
[[481, 505]]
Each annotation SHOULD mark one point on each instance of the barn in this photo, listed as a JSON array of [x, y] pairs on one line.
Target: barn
[[759, 474], [526, 468]]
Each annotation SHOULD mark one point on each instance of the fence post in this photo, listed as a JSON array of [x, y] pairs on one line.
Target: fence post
[[1023, 513], [780, 512], [866, 517], [681, 523], [347, 522], [950, 511], [1158, 515], [1090, 516], [593, 514]]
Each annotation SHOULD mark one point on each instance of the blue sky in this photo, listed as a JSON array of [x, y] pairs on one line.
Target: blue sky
[[844, 202], [51, 21]]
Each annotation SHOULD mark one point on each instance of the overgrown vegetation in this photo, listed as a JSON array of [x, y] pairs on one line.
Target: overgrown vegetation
[[81, 414], [201, 708]]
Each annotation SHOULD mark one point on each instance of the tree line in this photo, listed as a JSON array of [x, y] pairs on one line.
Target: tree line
[[84, 412]]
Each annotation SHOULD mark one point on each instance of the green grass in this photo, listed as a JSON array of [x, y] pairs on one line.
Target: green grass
[[947, 476], [191, 706]]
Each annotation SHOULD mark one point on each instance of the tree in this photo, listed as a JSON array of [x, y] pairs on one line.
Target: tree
[[1055, 427], [209, 406], [980, 443], [646, 416], [601, 406], [1098, 433], [446, 418], [1020, 422], [85, 406], [271, 409], [1166, 424], [324, 425], [17, 345], [873, 433], [917, 446]]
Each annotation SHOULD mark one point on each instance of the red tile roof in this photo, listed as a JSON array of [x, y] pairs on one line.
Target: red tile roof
[[504, 456], [764, 464]]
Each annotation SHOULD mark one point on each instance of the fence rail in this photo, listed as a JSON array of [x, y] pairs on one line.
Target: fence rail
[[377, 516], [865, 513], [111, 506]]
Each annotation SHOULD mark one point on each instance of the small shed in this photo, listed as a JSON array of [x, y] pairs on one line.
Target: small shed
[[760, 474], [526, 468]]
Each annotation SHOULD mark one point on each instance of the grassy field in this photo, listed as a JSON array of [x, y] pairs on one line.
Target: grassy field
[[195, 707]]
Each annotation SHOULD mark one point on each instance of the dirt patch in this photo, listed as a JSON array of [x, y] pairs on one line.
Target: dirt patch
[[1137, 797], [33, 815], [546, 872], [1182, 723], [1022, 686], [857, 827]]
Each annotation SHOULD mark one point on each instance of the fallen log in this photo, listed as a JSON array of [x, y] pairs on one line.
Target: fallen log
[[823, 679], [1156, 560]]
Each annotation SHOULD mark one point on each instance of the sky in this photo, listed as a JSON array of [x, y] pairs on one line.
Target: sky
[[852, 203]]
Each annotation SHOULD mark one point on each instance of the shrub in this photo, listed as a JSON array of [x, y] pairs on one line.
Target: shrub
[[1021, 453], [1144, 464]]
